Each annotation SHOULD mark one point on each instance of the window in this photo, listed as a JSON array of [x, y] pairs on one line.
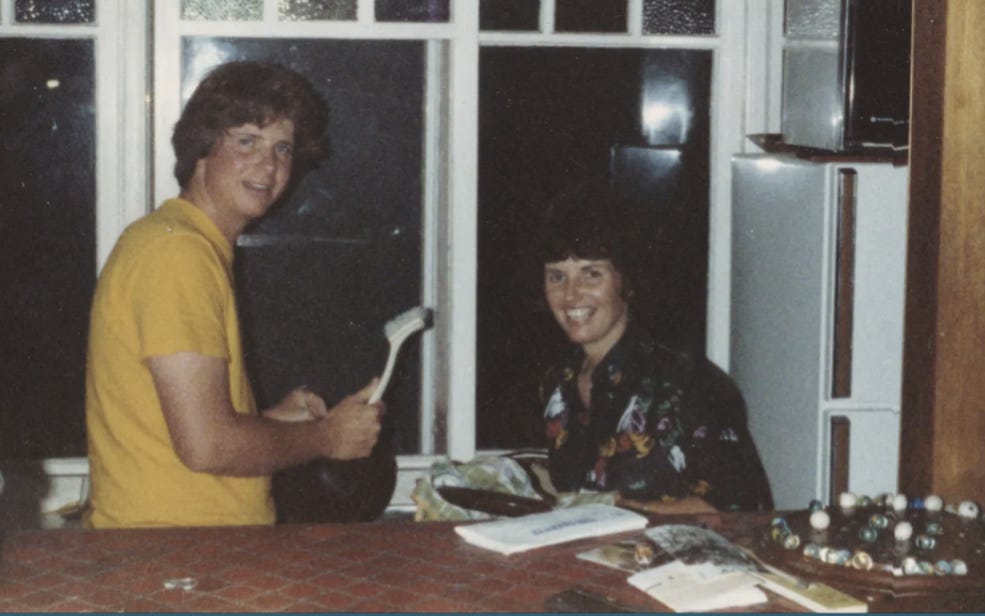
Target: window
[[47, 242], [66, 193], [320, 275], [549, 118], [419, 192]]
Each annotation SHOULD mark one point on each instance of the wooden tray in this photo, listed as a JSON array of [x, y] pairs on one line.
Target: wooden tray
[[961, 539]]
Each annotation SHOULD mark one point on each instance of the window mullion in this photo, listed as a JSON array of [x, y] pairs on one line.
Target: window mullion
[[365, 12], [462, 231], [634, 18], [166, 93], [122, 118], [547, 16]]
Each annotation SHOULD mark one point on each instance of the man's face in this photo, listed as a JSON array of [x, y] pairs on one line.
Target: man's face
[[586, 299], [244, 174]]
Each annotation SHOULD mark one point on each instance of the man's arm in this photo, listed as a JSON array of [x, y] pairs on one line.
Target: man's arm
[[209, 436]]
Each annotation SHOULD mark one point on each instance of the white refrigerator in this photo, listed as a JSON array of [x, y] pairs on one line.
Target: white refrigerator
[[818, 269]]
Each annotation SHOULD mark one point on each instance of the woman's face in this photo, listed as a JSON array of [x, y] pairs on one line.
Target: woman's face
[[586, 298]]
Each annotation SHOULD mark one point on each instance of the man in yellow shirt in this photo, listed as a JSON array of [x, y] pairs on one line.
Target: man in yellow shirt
[[174, 435]]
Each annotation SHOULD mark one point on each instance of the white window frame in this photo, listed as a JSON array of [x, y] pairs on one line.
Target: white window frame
[[746, 66]]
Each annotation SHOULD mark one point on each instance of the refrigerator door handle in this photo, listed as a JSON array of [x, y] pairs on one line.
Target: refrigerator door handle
[[844, 299], [838, 458]]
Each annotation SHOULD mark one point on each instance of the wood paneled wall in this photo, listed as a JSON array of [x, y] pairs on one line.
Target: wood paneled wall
[[943, 408]]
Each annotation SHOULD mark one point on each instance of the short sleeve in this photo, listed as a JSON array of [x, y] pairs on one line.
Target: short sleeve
[[180, 292]]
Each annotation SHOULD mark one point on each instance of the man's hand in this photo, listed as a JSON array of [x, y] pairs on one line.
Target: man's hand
[[210, 436], [353, 426], [300, 404]]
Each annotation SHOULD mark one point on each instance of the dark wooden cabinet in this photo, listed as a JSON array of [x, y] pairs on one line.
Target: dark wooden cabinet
[[943, 406]]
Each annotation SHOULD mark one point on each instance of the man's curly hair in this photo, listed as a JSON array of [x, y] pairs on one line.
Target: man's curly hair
[[258, 93]]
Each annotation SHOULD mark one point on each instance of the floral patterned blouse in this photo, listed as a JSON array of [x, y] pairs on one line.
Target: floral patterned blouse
[[662, 425]]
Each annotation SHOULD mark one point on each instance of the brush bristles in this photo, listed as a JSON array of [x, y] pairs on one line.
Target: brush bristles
[[412, 319]]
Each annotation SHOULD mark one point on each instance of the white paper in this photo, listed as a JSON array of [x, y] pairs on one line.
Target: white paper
[[708, 572], [682, 589], [512, 535]]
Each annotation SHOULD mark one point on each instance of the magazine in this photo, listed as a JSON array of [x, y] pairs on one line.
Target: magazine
[[706, 571], [511, 535], [689, 568]]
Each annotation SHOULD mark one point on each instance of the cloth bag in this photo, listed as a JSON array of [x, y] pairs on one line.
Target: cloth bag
[[518, 474]]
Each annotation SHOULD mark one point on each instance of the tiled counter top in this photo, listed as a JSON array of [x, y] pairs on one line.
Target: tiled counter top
[[383, 566], [387, 566]]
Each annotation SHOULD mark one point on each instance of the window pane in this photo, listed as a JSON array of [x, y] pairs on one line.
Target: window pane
[[47, 243], [222, 10], [679, 17], [412, 10], [509, 15], [553, 117], [813, 18], [54, 11], [310, 10], [590, 16], [321, 274]]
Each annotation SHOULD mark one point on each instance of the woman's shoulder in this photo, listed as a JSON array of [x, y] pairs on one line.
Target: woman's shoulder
[[656, 357], [702, 379]]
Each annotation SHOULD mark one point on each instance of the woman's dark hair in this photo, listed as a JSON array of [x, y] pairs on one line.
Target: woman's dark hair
[[590, 221], [258, 93]]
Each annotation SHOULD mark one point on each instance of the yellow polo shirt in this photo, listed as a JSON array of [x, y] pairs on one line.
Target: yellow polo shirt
[[167, 287]]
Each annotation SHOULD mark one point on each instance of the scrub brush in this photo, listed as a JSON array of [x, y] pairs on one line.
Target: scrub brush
[[397, 330]]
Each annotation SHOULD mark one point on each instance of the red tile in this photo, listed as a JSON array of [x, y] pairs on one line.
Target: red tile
[[40, 600], [398, 578], [75, 605], [302, 590], [208, 603], [238, 592], [531, 595], [491, 585], [252, 577], [397, 597], [333, 601], [15, 590], [429, 586], [439, 604], [362, 588], [270, 602], [332, 581]]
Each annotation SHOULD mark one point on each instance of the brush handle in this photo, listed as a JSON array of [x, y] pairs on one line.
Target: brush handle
[[390, 360]]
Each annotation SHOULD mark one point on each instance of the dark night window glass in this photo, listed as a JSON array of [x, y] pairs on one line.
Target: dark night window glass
[[517, 15], [54, 11], [552, 117], [47, 243], [679, 16], [321, 274], [590, 16], [412, 10]]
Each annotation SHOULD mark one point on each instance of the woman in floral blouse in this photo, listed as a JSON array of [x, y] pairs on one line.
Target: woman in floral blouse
[[622, 411]]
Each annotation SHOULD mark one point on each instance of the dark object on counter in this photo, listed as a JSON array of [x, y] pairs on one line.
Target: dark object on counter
[[579, 600], [337, 491], [495, 503]]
